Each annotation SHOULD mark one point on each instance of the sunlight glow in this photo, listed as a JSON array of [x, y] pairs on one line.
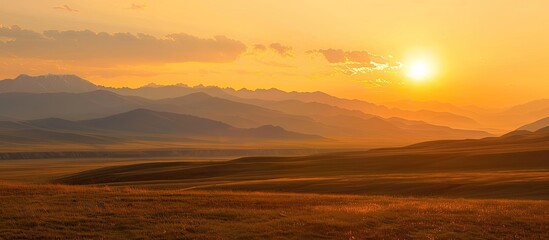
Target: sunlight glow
[[419, 71]]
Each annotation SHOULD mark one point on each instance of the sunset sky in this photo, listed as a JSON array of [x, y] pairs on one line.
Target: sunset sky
[[487, 53]]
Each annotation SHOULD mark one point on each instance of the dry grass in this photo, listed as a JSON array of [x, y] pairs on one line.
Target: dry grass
[[84, 212], [516, 175], [45, 170]]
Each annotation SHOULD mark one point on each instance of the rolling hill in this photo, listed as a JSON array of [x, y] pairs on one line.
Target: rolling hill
[[502, 167], [243, 114]]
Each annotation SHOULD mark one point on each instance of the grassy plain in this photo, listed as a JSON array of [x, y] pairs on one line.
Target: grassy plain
[[44, 211], [486, 189]]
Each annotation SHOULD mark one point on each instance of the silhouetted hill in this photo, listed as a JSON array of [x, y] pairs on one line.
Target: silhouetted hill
[[135, 125], [274, 94], [57, 124], [42, 136], [523, 133], [520, 139], [321, 118], [441, 118], [287, 101], [539, 124], [521, 114], [529, 107], [434, 106], [516, 133], [444, 114], [543, 130], [47, 84], [147, 121], [244, 115], [313, 109], [103, 103], [153, 122], [275, 132]]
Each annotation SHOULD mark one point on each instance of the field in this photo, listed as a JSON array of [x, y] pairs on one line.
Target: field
[[58, 212], [45, 170], [510, 175], [486, 189]]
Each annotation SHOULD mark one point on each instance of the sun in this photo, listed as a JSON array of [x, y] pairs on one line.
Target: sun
[[419, 70]]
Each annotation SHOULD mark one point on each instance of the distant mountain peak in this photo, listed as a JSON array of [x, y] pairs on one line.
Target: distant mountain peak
[[271, 127], [47, 84], [275, 132], [144, 111], [50, 76], [196, 96], [153, 85], [23, 76]]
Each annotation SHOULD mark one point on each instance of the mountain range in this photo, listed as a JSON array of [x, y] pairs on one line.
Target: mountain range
[[138, 124], [74, 99], [345, 123]]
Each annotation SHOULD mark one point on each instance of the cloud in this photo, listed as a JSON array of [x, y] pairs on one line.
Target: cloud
[[15, 32], [135, 6], [379, 82], [358, 62], [259, 48], [65, 7], [281, 49], [117, 48]]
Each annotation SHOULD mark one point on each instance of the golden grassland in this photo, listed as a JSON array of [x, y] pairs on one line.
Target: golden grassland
[[45, 211], [44, 170], [522, 175]]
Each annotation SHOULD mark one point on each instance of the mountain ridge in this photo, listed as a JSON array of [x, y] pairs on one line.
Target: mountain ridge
[[534, 126], [313, 118], [138, 124]]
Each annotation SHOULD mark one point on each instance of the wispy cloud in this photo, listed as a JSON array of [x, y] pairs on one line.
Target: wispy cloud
[[65, 7], [136, 6], [259, 48], [379, 82], [283, 50], [358, 62]]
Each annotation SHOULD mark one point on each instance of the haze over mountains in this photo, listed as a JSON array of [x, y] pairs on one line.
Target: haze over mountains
[[296, 115], [139, 124]]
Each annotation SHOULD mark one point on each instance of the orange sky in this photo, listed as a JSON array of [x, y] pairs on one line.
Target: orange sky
[[489, 53]]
